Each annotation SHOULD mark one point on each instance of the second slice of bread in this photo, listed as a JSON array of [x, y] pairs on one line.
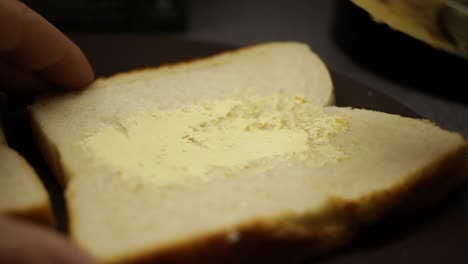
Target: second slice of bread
[[22, 193]]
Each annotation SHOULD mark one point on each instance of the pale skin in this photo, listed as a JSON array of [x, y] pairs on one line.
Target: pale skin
[[36, 57]]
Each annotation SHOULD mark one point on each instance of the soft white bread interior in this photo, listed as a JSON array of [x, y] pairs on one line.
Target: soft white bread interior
[[419, 19], [232, 159], [21, 191]]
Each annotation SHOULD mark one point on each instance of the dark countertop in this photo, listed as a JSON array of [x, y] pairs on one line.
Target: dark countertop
[[245, 22]]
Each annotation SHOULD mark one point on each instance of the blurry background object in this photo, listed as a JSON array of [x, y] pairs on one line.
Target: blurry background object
[[435, 22], [454, 20], [114, 15], [433, 65]]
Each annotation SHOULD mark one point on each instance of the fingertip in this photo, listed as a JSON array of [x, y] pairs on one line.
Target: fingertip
[[24, 242], [73, 71], [30, 41], [11, 28]]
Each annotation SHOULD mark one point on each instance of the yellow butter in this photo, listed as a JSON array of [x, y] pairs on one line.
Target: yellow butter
[[191, 142]]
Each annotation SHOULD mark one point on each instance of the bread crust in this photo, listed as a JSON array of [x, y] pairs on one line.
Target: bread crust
[[294, 239], [49, 151], [41, 214]]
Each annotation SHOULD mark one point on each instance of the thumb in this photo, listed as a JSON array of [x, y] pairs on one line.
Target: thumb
[[22, 242]]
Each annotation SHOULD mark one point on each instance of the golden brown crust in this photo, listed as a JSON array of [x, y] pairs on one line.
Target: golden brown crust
[[258, 243], [283, 242], [49, 151], [41, 214], [435, 181]]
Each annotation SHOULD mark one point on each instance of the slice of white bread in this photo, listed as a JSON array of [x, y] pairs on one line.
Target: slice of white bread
[[419, 19], [21, 191], [230, 160]]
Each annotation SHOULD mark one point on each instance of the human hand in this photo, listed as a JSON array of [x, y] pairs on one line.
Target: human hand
[[36, 56], [25, 243]]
